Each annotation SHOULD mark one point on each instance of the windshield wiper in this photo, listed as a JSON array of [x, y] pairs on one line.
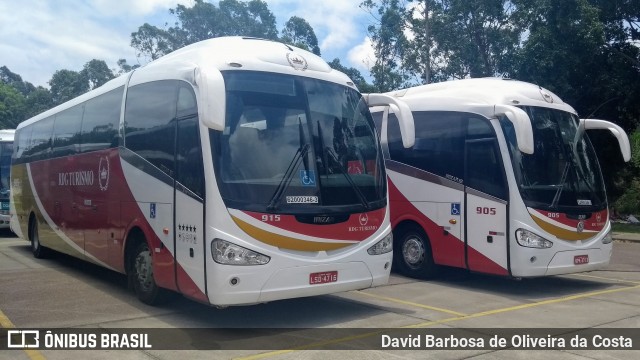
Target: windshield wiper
[[288, 175], [355, 187], [563, 179], [301, 153]]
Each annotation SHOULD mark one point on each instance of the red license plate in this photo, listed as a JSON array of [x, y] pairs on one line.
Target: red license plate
[[323, 277], [580, 259]]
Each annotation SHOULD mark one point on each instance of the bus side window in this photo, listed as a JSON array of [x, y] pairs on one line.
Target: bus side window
[[66, 131], [484, 170], [439, 147], [189, 169], [101, 121], [40, 145], [150, 123], [23, 138]]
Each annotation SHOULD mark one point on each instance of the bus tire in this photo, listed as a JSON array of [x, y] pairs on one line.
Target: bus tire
[[141, 276], [412, 252], [37, 249]]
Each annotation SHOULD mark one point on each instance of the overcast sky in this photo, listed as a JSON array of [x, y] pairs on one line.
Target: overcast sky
[[39, 37]]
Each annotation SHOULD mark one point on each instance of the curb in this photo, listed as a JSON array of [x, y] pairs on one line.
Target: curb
[[626, 237]]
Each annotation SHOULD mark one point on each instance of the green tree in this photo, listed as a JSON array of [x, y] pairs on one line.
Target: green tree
[[473, 38], [12, 106], [203, 21], [10, 78], [96, 72], [298, 32], [152, 42], [389, 43], [629, 200], [355, 76], [39, 100], [124, 67], [66, 85]]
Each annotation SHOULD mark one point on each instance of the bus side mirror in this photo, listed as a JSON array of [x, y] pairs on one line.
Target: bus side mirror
[[521, 124], [211, 97], [403, 113], [617, 131]]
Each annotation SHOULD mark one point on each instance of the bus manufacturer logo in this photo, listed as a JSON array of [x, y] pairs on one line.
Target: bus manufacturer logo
[[546, 96], [580, 227], [323, 219], [297, 61], [103, 173]]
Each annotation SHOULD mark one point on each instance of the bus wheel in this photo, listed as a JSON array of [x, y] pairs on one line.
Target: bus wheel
[[412, 253], [141, 276], [39, 251]]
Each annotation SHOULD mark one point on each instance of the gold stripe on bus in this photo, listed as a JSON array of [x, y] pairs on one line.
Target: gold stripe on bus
[[561, 233], [285, 242]]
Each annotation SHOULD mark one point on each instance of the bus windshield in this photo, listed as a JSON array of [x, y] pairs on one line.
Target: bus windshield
[[563, 173], [296, 144]]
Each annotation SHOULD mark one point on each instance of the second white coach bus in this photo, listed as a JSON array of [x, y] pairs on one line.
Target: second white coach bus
[[223, 171], [502, 179]]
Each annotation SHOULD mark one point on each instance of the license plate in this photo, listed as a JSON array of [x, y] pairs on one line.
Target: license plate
[[580, 259], [323, 277]]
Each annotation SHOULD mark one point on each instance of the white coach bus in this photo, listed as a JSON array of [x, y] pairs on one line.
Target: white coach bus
[[502, 180], [223, 171]]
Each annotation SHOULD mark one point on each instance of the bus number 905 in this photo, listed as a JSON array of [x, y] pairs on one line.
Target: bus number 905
[[485, 211]]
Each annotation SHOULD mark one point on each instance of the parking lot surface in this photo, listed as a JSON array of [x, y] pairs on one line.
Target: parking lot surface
[[62, 292]]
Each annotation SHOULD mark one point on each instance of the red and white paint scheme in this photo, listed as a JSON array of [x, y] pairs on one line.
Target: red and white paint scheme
[[223, 171], [502, 179]]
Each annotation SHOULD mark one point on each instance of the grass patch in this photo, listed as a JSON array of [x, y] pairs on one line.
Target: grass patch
[[628, 228]]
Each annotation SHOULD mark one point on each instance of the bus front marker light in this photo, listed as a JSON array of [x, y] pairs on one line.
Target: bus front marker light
[[533, 259], [234, 281], [228, 253], [527, 238], [383, 246]]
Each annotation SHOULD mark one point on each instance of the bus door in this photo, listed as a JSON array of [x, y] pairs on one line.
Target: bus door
[[486, 207], [189, 200], [92, 208]]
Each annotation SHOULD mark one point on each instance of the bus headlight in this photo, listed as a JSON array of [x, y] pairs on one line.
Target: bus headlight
[[382, 247], [528, 239], [227, 253], [607, 239]]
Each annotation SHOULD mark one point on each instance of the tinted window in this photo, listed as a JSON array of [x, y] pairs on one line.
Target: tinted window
[[189, 172], [484, 168], [439, 147], [40, 145], [101, 120], [377, 120], [150, 122], [22, 139], [66, 131]]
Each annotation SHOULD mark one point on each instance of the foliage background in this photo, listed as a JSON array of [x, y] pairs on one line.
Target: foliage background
[[585, 51]]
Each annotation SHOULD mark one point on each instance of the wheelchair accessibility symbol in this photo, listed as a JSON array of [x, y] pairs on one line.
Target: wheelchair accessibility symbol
[[455, 208], [308, 177]]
